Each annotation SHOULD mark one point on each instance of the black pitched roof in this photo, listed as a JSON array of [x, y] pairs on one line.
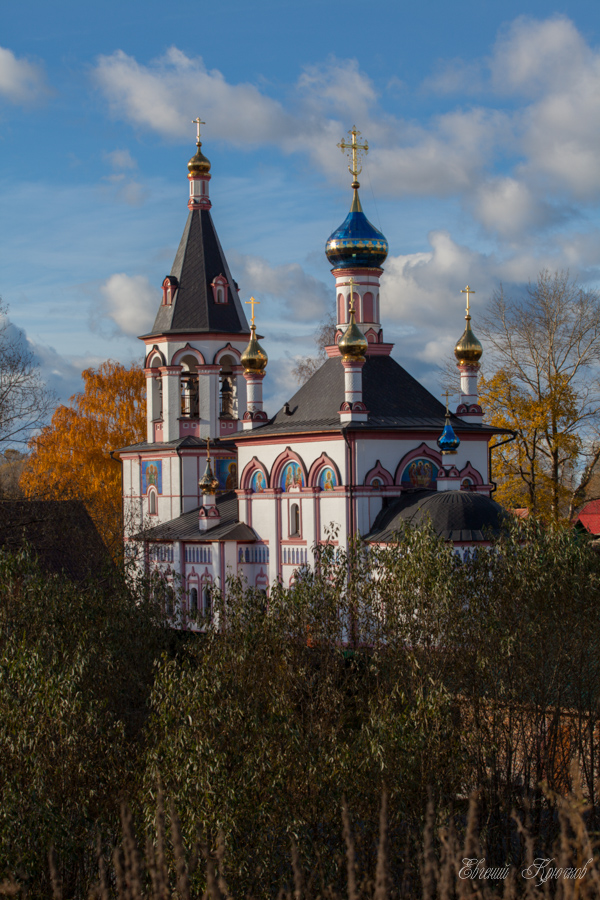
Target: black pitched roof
[[394, 398], [60, 533], [185, 527], [454, 515], [199, 260], [181, 443]]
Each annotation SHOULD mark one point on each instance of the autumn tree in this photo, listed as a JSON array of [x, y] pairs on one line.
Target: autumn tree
[[306, 366], [541, 381], [71, 457]]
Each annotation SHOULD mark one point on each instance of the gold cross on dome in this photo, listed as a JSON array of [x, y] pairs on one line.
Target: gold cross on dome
[[198, 122], [351, 308], [207, 450], [468, 291], [447, 395], [355, 150], [253, 303]]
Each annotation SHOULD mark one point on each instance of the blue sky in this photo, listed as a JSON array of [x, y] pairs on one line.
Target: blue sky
[[483, 120]]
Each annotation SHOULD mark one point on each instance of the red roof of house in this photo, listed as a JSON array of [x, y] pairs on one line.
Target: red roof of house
[[590, 517]]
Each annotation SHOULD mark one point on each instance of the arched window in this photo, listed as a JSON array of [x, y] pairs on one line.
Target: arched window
[[152, 502], [193, 600], [341, 314], [227, 389], [220, 295], [189, 388], [294, 520], [368, 311], [207, 600]]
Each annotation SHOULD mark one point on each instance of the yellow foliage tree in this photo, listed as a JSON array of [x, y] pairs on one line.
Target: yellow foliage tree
[[542, 383], [71, 459]]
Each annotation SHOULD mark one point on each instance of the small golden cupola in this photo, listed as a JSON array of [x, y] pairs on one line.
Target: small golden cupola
[[254, 358], [468, 350], [208, 483], [198, 164], [353, 344]]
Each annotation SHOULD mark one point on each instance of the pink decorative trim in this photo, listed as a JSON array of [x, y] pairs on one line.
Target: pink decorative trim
[[220, 282], [423, 450], [227, 350], [379, 472], [169, 287], [315, 470], [372, 349], [371, 336], [287, 456], [470, 472], [150, 357], [188, 350], [196, 336], [170, 370], [249, 469]]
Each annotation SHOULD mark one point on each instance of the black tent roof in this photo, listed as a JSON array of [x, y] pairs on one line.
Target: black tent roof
[[199, 260]]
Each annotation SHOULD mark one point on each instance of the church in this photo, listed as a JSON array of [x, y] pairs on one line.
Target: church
[[219, 486]]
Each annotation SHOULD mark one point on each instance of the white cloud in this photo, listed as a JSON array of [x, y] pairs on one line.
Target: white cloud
[[20, 81], [127, 188], [533, 57], [303, 297], [166, 95], [129, 303]]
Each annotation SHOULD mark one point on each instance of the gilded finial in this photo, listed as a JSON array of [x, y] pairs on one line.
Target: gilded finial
[[446, 394], [198, 164], [254, 358], [468, 350], [252, 303], [208, 483], [353, 344], [354, 151], [468, 291]]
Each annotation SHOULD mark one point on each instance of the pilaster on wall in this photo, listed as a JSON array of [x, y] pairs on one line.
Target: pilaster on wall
[[171, 401], [208, 396]]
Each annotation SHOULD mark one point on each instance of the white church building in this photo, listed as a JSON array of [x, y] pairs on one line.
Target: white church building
[[220, 486]]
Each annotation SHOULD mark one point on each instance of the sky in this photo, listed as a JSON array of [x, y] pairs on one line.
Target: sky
[[483, 123]]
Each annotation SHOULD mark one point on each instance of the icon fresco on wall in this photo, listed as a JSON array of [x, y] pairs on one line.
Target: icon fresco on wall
[[257, 482], [377, 483], [152, 474], [292, 476], [327, 479], [419, 473], [226, 473]]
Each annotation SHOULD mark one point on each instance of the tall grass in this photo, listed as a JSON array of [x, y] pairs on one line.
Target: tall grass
[[446, 863]]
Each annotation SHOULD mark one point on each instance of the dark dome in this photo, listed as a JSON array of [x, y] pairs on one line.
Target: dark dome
[[356, 242], [454, 516]]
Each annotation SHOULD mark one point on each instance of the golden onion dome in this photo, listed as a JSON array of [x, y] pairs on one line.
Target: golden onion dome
[[198, 164], [208, 483], [353, 344], [254, 358], [468, 350]]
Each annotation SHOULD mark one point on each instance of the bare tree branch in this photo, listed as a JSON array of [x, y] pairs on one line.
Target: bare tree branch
[[25, 402]]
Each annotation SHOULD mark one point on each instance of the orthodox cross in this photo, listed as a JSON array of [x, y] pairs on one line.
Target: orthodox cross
[[198, 122], [351, 283], [253, 303], [356, 150], [447, 395], [467, 291], [207, 451]]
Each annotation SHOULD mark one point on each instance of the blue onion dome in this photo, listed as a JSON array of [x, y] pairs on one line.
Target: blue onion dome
[[447, 441], [356, 242]]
